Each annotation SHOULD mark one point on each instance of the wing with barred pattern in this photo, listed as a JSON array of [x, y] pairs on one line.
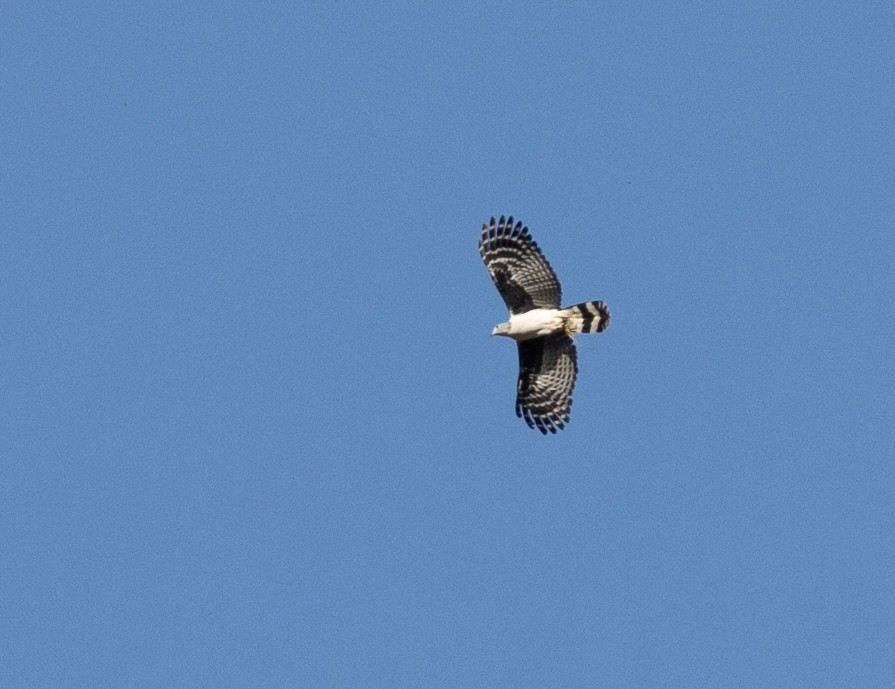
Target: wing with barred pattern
[[547, 370], [519, 270]]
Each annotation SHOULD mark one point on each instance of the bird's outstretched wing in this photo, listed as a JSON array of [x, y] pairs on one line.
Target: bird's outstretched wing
[[547, 370], [522, 275]]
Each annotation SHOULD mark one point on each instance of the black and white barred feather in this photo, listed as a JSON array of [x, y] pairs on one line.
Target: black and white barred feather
[[519, 270], [548, 367]]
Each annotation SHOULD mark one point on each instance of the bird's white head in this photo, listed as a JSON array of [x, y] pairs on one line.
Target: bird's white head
[[501, 329]]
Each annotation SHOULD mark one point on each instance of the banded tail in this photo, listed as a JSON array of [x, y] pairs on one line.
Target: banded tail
[[587, 317]]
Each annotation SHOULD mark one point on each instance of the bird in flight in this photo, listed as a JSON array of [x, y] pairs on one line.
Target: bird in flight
[[544, 332]]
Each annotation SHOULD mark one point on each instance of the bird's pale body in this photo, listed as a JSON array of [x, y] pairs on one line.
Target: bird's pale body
[[531, 324]]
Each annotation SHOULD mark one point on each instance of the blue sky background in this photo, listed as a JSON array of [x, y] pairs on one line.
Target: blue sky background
[[254, 430]]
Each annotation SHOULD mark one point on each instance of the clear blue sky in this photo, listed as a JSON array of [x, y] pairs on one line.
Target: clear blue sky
[[254, 431]]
